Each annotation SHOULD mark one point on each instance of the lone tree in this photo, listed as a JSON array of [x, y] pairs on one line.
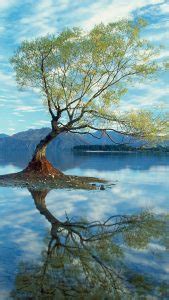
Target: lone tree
[[82, 76]]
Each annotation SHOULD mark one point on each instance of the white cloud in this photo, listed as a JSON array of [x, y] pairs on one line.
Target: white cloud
[[163, 54], [160, 25], [164, 8], [45, 15], [2, 29], [30, 127], [11, 129], [17, 114], [115, 10], [5, 4], [41, 123], [28, 109], [153, 37], [7, 79], [41, 21], [147, 95]]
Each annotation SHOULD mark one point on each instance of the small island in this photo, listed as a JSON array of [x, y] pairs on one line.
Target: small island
[[119, 148]]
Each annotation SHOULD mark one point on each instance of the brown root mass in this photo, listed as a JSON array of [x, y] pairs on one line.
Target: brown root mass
[[42, 168], [40, 174]]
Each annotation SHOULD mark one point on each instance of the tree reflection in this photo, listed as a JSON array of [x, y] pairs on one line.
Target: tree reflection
[[85, 260]]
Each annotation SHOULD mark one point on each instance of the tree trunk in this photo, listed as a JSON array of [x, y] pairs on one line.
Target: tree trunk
[[39, 199], [39, 165]]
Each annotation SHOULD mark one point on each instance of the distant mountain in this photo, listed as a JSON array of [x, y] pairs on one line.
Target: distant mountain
[[26, 141], [3, 135], [31, 135], [66, 141], [112, 138]]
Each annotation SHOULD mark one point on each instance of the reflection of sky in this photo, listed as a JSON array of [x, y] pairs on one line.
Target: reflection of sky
[[21, 233], [22, 228], [148, 261], [8, 169]]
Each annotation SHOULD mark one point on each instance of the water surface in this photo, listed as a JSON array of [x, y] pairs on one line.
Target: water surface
[[141, 185]]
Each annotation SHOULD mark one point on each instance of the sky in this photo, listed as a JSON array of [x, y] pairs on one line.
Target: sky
[[26, 19]]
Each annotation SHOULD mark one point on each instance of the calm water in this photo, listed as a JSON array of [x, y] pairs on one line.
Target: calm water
[[136, 252]]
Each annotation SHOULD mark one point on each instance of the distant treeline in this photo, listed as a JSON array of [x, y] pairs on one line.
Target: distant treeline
[[119, 147]]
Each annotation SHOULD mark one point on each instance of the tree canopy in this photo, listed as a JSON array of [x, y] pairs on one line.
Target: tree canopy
[[83, 75]]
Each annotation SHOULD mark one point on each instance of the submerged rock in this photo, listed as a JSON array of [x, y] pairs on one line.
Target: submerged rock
[[102, 187]]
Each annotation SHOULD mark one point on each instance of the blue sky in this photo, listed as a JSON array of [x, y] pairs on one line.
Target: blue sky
[[26, 19]]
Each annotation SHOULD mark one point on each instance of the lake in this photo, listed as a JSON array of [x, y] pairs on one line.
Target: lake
[[51, 246]]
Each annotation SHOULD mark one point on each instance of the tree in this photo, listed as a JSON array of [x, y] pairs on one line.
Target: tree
[[82, 76]]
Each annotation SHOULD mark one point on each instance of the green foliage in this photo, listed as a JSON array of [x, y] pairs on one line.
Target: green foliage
[[145, 125], [83, 75]]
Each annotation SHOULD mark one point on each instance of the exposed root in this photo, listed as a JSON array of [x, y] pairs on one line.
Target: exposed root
[[42, 168], [38, 181], [40, 174]]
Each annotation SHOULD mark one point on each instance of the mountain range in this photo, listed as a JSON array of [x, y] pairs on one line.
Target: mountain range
[[3, 135], [18, 148], [27, 140]]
